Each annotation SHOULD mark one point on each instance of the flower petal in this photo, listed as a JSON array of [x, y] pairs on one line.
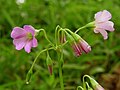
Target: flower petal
[[34, 42], [30, 29], [19, 43], [18, 32], [76, 49], [96, 31], [103, 16], [106, 25], [85, 46], [104, 33], [28, 46]]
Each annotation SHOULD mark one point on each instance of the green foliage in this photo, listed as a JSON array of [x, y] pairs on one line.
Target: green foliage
[[47, 14]]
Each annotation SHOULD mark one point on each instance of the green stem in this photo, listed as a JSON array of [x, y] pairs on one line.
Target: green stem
[[84, 86], [56, 30], [46, 36], [60, 72], [39, 55], [31, 68], [84, 83], [80, 88], [91, 24], [80, 28]]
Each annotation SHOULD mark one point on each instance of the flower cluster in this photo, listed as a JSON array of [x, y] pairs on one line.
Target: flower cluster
[[25, 37]]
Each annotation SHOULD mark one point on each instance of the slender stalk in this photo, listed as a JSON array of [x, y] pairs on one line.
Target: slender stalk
[[31, 68], [91, 24], [84, 86], [60, 57], [39, 55], [80, 28], [46, 36], [56, 30], [80, 88]]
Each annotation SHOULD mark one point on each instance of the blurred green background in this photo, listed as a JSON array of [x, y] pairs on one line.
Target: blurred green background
[[102, 63]]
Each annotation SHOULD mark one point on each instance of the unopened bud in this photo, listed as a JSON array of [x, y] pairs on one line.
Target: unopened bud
[[49, 64]]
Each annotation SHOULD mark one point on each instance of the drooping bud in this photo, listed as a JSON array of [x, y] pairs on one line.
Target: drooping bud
[[82, 44], [74, 45], [76, 49], [28, 76], [49, 64]]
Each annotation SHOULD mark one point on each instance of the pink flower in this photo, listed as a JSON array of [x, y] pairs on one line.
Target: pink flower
[[81, 46], [24, 37], [102, 23]]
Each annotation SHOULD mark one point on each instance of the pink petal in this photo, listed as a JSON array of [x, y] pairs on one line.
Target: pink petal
[[34, 42], [76, 49], [97, 15], [96, 31], [28, 46], [103, 16], [19, 43], [30, 29], [85, 46], [104, 33], [18, 33], [108, 25]]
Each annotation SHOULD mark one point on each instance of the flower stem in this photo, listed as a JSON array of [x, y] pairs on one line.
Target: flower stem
[[56, 33], [46, 36], [91, 24], [60, 60], [80, 88], [80, 29], [29, 74]]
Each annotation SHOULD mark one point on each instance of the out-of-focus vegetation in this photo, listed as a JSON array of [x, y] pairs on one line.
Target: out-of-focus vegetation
[[103, 62]]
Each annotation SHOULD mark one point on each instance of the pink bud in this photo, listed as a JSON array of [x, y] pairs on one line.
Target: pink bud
[[50, 69]]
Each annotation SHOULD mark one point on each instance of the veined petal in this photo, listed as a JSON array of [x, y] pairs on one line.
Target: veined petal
[[28, 46], [19, 43], [34, 42], [97, 15], [30, 29], [108, 25], [104, 33], [76, 49], [18, 32], [103, 16], [85, 46]]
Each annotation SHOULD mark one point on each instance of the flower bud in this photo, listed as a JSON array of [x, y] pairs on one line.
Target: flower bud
[[74, 45], [82, 44], [49, 64]]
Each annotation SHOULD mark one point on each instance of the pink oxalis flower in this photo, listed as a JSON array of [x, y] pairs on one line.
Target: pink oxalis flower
[[102, 23], [24, 38]]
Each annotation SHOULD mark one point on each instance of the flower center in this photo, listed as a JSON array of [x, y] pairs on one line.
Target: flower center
[[29, 36]]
